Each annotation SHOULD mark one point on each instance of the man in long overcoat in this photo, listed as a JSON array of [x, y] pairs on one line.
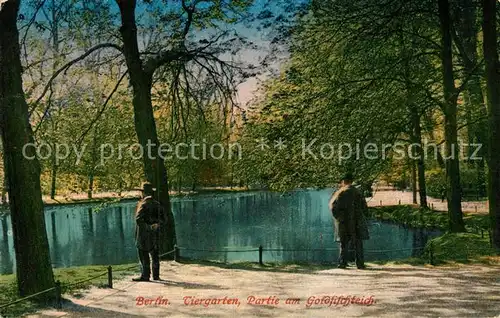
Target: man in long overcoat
[[349, 211], [148, 217]]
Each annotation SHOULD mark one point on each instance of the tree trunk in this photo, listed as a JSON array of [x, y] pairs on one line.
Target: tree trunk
[[91, 185], [53, 176], [454, 197], [55, 46], [417, 139], [414, 181], [145, 126], [33, 265], [5, 186], [493, 93]]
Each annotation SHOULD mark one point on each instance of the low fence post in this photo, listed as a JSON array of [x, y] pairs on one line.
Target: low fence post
[[482, 233], [110, 277], [431, 253], [490, 238], [177, 254], [58, 295], [261, 249]]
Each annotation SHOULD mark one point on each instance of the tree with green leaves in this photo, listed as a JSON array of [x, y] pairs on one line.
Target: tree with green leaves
[[490, 48], [33, 266]]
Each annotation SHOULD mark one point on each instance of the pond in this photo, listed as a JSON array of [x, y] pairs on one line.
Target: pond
[[292, 227]]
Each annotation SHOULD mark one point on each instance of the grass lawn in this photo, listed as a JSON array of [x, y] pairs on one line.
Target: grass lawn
[[68, 277]]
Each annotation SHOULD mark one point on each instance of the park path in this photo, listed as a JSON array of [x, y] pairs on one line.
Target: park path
[[397, 291], [393, 197]]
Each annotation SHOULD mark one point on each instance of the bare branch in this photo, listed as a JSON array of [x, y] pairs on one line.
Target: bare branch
[[103, 108], [68, 65], [179, 54]]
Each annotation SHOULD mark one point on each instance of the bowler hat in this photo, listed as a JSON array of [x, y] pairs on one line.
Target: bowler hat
[[347, 177], [147, 187]]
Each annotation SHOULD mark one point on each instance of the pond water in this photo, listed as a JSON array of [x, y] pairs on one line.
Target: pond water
[[298, 221]]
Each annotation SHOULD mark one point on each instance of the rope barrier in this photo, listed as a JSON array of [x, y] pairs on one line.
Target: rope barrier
[[172, 251], [71, 285], [260, 250], [300, 250], [217, 251], [86, 280], [27, 297], [297, 250], [397, 250]]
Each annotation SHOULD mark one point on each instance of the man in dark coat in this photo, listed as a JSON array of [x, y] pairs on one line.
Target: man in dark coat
[[349, 210], [148, 217]]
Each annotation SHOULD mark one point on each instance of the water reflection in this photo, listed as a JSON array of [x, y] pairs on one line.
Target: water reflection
[[300, 220]]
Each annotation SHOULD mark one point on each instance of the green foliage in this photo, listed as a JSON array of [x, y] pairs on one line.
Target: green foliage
[[459, 247], [77, 121], [436, 182], [67, 276], [411, 216], [349, 81], [426, 218], [470, 182]]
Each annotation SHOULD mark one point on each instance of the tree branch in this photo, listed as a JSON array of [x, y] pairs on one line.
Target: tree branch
[[68, 65], [103, 108]]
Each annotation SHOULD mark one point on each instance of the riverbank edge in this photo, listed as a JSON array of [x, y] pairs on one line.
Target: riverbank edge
[[112, 197], [424, 218], [472, 246]]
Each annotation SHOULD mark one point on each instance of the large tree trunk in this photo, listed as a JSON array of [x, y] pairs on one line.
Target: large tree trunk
[[493, 91], [145, 126], [4, 186], [34, 270], [454, 196]]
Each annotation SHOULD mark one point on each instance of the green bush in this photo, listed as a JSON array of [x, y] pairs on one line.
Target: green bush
[[458, 247], [436, 182], [426, 218]]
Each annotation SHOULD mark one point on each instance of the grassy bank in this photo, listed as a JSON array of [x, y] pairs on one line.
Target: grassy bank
[[471, 247], [107, 198], [426, 218], [73, 281]]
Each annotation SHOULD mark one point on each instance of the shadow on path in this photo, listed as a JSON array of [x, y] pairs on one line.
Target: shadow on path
[[187, 285]]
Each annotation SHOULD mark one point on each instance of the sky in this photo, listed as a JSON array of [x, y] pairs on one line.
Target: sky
[[246, 90]]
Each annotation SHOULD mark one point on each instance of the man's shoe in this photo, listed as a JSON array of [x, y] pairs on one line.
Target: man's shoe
[[140, 279], [343, 266], [156, 278], [362, 267]]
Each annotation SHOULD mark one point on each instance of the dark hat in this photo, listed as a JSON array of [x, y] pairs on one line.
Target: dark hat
[[147, 187], [347, 177]]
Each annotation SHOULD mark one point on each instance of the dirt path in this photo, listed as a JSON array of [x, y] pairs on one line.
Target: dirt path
[[391, 197], [397, 291]]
